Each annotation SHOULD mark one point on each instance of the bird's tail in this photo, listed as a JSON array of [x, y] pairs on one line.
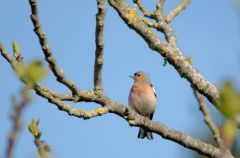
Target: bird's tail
[[142, 134]]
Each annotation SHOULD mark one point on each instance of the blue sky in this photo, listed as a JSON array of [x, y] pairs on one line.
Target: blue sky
[[208, 31]]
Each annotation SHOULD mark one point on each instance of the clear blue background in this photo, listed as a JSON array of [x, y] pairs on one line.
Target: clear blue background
[[208, 31]]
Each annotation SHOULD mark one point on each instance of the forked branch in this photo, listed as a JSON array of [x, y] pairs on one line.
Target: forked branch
[[168, 50], [59, 74]]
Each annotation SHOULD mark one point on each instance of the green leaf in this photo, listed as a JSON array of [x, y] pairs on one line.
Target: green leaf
[[33, 128], [229, 128], [35, 71], [229, 133], [229, 100], [16, 51]]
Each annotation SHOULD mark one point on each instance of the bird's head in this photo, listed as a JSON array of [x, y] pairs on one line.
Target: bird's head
[[141, 76]]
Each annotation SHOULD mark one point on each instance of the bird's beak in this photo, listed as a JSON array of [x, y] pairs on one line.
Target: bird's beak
[[132, 77]]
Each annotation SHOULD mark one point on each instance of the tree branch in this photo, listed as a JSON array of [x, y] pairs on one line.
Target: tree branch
[[121, 110], [183, 139], [52, 96], [161, 25], [59, 74], [167, 49], [42, 147], [143, 10], [159, 7], [170, 52], [70, 110], [17, 122], [99, 45], [177, 10], [208, 120], [213, 127]]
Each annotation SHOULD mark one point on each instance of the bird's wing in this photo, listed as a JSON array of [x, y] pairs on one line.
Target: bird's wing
[[154, 90]]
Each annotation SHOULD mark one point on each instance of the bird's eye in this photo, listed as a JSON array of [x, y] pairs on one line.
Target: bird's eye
[[138, 75]]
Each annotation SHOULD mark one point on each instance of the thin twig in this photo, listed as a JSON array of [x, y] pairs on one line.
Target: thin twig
[[177, 10], [208, 120], [17, 122], [99, 45], [42, 147], [158, 13], [47, 51], [159, 6], [62, 97], [143, 10], [161, 25], [70, 110]]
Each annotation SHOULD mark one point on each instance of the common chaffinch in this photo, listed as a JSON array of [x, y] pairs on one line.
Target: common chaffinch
[[142, 98]]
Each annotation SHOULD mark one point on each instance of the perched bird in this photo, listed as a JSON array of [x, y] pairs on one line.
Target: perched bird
[[142, 98]]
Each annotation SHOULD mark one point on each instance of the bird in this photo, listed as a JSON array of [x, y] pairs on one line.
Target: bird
[[142, 99]]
